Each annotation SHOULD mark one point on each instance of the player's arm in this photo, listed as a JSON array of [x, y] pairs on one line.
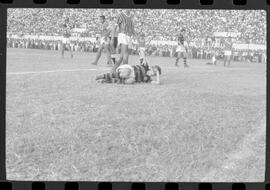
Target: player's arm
[[157, 81]]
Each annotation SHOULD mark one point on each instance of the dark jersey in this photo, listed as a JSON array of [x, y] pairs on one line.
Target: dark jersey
[[181, 39], [140, 73], [67, 30]]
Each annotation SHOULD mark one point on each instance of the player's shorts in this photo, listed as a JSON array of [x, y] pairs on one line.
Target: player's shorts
[[181, 48], [65, 40], [213, 58], [227, 53], [124, 39]]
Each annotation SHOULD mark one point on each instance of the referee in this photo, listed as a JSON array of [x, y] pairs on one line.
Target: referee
[[126, 31]]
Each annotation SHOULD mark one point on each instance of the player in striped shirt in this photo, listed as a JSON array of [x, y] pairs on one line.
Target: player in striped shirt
[[130, 74], [181, 49], [126, 31]]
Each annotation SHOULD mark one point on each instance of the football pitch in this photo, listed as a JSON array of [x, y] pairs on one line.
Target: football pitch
[[203, 123]]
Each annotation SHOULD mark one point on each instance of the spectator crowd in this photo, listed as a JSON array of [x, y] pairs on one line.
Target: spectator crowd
[[163, 24]]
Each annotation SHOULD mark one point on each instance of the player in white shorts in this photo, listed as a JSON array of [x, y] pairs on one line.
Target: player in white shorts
[[142, 46], [181, 49], [104, 42], [66, 38], [228, 52]]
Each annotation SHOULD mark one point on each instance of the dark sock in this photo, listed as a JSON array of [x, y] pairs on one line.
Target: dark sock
[[176, 62], [113, 60], [185, 61], [141, 60]]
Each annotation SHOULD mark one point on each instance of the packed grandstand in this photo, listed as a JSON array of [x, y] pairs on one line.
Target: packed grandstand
[[163, 25]]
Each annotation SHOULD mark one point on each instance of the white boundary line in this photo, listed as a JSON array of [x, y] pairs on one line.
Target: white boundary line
[[52, 71]]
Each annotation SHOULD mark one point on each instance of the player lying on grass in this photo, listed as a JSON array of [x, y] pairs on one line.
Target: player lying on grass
[[130, 74]]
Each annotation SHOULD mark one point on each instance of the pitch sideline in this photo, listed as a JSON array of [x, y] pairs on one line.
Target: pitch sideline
[[53, 71]]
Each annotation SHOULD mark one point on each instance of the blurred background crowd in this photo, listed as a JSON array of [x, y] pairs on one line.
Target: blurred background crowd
[[163, 24]]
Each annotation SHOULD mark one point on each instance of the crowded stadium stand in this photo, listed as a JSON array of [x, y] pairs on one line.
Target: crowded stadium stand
[[204, 28]]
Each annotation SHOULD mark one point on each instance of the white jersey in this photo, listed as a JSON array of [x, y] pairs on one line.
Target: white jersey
[[126, 66]]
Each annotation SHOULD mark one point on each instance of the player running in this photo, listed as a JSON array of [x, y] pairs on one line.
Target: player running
[[130, 74], [181, 50], [104, 41], [66, 30]]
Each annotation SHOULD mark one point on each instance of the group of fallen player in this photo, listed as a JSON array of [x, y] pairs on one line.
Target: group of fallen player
[[109, 41], [114, 36]]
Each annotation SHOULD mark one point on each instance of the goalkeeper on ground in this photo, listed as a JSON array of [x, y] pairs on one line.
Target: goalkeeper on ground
[[130, 74]]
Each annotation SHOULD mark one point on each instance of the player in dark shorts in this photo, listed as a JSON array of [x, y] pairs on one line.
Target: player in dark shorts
[[66, 29], [181, 49]]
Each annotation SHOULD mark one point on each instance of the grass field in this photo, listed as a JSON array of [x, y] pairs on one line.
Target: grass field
[[204, 123]]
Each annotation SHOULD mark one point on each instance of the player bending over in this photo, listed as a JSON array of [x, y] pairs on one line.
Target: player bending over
[[181, 50], [67, 27], [130, 74]]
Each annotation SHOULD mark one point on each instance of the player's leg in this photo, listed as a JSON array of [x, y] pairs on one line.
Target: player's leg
[[185, 59], [178, 55], [108, 77], [98, 55], [125, 54], [229, 61], [71, 50], [142, 55], [225, 60], [124, 48], [119, 61], [63, 49], [113, 47], [108, 54]]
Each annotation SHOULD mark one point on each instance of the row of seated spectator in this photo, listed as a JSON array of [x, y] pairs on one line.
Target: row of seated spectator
[[152, 50]]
